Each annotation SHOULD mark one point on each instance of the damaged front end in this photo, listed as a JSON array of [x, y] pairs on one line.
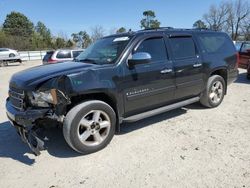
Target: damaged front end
[[25, 109]]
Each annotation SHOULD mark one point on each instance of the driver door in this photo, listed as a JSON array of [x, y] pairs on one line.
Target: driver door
[[149, 85]]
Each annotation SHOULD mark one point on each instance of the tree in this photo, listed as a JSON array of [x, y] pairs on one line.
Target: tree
[[237, 15], [69, 44], [97, 33], [149, 20], [3, 38], [83, 38], [246, 29], [59, 43], [42, 30], [18, 24], [199, 24], [44, 34], [217, 16], [121, 30], [231, 17]]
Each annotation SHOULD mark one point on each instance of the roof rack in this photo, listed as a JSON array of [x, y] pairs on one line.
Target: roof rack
[[172, 28]]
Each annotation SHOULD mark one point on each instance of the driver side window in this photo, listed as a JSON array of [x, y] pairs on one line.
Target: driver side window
[[155, 47]]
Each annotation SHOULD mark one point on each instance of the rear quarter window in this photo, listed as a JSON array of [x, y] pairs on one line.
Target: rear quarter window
[[47, 56], [216, 43], [76, 53], [63, 54]]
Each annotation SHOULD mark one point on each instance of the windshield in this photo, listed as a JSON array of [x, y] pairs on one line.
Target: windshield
[[104, 51]]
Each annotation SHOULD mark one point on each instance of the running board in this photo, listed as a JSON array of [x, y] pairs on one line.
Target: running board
[[161, 110]]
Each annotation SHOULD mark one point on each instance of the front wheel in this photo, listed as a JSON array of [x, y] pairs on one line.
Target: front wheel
[[214, 92], [89, 126]]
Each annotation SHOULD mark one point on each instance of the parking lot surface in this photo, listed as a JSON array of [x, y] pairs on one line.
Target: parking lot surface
[[188, 147]]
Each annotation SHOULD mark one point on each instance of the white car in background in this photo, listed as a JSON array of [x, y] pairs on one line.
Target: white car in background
[[9, 56]]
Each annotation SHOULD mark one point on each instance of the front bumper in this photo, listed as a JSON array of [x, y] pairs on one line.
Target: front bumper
[[25, 123], [24, 118]]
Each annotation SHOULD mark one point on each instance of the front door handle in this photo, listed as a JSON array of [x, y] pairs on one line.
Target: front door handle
[[165, 71], [197, 65]]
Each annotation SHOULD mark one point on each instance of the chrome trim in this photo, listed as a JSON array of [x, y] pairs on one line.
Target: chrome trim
[[165, 71], [18, 96]]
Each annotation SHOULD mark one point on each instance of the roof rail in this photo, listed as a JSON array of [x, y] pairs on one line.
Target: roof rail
[[172, 28], [156, 29]]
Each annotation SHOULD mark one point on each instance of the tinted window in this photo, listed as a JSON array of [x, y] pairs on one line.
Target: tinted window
[[182, 47], [245, 47], [155, 47], [63, 54], [4, 49], [76, 53], [47, 56], [216, 43]]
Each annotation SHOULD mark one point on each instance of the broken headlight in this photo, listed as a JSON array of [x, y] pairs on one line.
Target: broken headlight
[[43, 98]]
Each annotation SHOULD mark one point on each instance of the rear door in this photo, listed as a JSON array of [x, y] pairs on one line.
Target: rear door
[[187, 66]]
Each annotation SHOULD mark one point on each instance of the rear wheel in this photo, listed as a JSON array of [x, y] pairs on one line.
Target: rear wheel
[[214, 93], [89, 126]]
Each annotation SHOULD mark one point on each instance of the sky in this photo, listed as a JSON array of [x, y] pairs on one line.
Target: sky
[[64, 17]]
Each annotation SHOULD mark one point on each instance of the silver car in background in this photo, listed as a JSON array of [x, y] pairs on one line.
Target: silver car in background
[[59, 56]]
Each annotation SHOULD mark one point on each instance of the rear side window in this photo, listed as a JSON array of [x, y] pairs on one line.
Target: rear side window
[[155, 47], [47, 56], [182, 47], [76, 53], [63, 55], [216, 43]]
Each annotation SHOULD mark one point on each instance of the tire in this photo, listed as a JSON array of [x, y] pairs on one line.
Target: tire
[[85, 131], [12, 55], [214, 92]]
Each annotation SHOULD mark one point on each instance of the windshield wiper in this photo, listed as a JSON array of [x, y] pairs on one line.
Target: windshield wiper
[[86, 60]]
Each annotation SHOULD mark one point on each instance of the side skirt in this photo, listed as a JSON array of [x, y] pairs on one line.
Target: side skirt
[[163, 109]]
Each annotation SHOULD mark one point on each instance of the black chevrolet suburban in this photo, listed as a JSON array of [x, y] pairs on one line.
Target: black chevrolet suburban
[[121, 78]]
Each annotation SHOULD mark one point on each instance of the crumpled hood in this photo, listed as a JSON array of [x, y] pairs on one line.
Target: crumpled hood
[[24, 79]]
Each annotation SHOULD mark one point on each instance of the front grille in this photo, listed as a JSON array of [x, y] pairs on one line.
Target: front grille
[[17, 98]]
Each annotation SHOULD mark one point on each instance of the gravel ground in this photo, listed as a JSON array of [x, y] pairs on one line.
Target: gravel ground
[[188, 147]]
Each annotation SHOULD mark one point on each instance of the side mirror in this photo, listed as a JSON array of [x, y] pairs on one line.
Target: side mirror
[[139, 58]]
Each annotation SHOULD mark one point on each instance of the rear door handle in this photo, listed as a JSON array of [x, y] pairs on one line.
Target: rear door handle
[[197, 65], [165, 71]]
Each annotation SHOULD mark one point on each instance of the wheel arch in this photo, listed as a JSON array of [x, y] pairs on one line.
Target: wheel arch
[[102, 96], [222, 71]]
